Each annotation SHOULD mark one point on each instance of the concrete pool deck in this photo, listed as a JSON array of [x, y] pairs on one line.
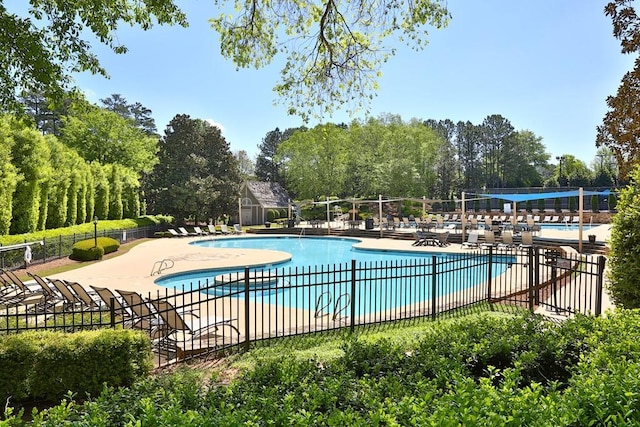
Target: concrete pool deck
[[132, 271]]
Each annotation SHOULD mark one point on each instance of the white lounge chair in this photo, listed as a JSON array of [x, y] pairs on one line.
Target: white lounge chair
[[212, 229], [185, 232], [237, 229], [472, 241], [174, 233], [224, 229], [199, 231]]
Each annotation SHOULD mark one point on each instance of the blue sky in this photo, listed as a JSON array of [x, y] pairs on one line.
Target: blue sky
[[546, 65]]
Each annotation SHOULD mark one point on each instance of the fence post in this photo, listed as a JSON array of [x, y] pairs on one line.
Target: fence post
[[247, 308], [434, 286], [112, 311], [599, 285], [352, 325], [489, 274], [530, 278], [59, 245], [44, 250]]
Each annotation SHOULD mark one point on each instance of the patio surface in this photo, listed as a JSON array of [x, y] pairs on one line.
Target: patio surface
[[132, 271]]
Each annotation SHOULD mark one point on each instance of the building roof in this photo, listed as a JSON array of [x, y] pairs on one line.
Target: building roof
[[269, 194]]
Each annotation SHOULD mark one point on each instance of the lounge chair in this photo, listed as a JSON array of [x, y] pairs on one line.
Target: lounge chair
[[187, 331], [90, 302], [520, 218], [224, 229], [576, 219], [144, 315], [51, 299], [454, 218], [527, 240], [174, 233], [547, 218], [507, 241], [184, 232], [212, 229], [112, 302], [472, 241], [405, 222], [237, 229], [489, 239], [536, 218], [15, 292], [555, 219], [199, 231], [446, 217]]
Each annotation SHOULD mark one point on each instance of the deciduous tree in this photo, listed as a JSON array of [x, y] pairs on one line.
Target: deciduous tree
[[620, 129], [43, 43]]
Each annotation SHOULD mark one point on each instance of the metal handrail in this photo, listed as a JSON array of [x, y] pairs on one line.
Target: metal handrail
[[162, 265], [20, 245]]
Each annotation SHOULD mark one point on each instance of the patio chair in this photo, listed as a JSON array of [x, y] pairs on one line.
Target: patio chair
[[555, 219], [507, 241], [184, 232], [51, 300], [144, 315], [237, 229], [174, 233], [547, 218], [421, 237], [527, 240], [472, 241], [489, 239], [224, 229], [187, 331], [90, 302], [15, 292], [212, 229], [113, 303], [442, 239], [576, 219], [199, 231], [71, 300]]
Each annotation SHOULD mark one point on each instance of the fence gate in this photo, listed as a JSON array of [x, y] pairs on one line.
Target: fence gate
[[567, 282]]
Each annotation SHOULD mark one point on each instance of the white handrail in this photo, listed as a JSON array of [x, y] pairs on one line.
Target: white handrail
[[19, 246]]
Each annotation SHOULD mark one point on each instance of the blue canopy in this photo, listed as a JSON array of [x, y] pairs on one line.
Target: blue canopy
[[523, 197]]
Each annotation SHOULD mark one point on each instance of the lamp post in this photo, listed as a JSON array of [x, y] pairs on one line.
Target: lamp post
[[95, 231], [560, 159]]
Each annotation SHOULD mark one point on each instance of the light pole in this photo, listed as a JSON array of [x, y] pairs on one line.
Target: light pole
[[560, 159], [95, 231]]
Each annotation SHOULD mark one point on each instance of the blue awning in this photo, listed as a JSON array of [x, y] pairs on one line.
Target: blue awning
[[523, 197]]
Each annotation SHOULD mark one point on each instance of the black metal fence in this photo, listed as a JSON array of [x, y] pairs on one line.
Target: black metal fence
[[230, 311], [60, 247]]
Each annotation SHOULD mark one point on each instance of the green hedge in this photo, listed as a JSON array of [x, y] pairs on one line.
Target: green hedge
[[47, 365], [86, 250]]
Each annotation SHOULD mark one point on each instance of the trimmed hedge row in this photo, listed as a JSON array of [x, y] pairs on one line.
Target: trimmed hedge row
[[47, 365], [86, 250]]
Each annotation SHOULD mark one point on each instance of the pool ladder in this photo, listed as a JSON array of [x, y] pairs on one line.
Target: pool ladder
[[161, 265], [341, 305]]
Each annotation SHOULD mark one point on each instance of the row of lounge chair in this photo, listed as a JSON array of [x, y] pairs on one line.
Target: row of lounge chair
[[506, 242], [168, 326], [198, 231]]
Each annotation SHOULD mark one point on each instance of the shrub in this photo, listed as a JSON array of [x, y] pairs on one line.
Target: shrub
[[541, 205], [573, 202], [612, 202], [47, 365], [273, 215], [529, 206], [557, 204], [85, 250], [624, 258]]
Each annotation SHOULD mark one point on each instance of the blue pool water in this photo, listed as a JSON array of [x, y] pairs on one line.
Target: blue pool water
[[409, 283]]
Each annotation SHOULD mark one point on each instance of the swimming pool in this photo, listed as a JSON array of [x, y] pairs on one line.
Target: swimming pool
[[320, 276]]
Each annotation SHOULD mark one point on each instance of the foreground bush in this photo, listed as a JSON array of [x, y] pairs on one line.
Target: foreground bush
[[483, 371], [47, 365]]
